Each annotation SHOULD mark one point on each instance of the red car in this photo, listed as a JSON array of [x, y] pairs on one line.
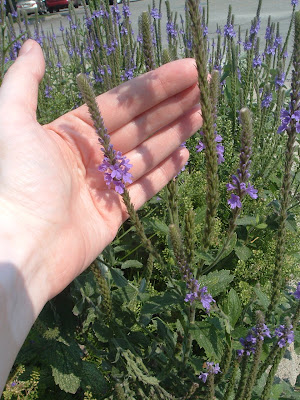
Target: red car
[[57, 4]]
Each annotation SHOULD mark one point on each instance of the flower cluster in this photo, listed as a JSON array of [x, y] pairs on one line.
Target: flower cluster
[[219, 147], [249, 342], [197, 293], [296, 294], [286, 119], [211, 368], [240, 189], [155, 14], [229, 31], [240, 185], [285, 335], [294, 2], [116, 172], [266, 101], [279, 80], [171, 29]]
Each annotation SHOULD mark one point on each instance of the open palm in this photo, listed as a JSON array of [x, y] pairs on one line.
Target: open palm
[[49, 183]]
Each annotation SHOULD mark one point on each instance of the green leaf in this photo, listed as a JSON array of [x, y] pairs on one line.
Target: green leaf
[[206, 335], [118, 278], [261, 226], [159, 303], [155, 225], [243, 252], [233, 307], [65, 378], [230, 246], [262, 298], [131, 264], [65, 362], [216, 281], [92, 377], [246, 220], [291, 223], [137, 368]]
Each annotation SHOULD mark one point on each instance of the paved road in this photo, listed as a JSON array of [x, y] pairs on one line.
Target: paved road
[[244, 11]]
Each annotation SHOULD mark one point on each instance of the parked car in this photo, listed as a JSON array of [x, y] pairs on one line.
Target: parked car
[[55, 5], [31, 6], [111, 2]]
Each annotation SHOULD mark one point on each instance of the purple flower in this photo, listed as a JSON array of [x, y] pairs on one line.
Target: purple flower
[[270, 50], [198, 294], [155, 13], [285, 335], [116, 13], [48, 90], [296, 294], [266, 101], [251, 191], [13, 384], [257, 61], [116, 172], [256, 333], [286, 118], [294, 2], [234, 201], [126, 11], [247, 45], [220, 149], [171, 30], [200, 146], [203, 376], [279, 80], [255, 27], [277, 41], [211, 368], [229, 31], [123, 30], [128, 74], [268, 34]]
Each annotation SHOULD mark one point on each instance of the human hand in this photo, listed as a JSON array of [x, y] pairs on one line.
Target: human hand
[[54, 202]]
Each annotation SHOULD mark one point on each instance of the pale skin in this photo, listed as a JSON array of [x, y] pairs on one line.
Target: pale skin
[[56, 212]]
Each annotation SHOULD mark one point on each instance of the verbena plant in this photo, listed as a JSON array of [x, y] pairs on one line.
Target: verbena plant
[[197, 297]]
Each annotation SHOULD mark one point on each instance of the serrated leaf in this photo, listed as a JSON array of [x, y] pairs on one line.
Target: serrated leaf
[[131, 264], [118, 278], [262, 298], [243, 252], [92, 377], [125, 294], [156, 225], [159, 303], [233, 307], [207, 338], [65, 362], [65, 378], [217, 281], [247, 220]]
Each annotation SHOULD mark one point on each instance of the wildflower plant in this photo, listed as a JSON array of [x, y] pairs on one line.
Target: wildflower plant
[[190, 300]]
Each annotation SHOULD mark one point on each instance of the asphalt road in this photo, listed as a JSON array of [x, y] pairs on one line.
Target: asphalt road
[[244, 11]]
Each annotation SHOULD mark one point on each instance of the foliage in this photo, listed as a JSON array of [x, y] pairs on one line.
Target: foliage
[[191, 282]]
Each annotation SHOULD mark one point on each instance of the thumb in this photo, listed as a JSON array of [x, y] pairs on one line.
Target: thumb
[[21, 82]]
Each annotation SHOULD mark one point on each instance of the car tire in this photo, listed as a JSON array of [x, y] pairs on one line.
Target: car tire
[[51, 10], [76, 4]]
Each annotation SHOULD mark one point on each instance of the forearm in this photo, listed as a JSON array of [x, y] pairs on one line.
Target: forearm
[[21, 294]]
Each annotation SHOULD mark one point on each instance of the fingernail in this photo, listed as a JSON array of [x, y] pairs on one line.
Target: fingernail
[[27, 46]]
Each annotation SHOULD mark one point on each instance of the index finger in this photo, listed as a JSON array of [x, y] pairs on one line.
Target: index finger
[[123, 103]]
